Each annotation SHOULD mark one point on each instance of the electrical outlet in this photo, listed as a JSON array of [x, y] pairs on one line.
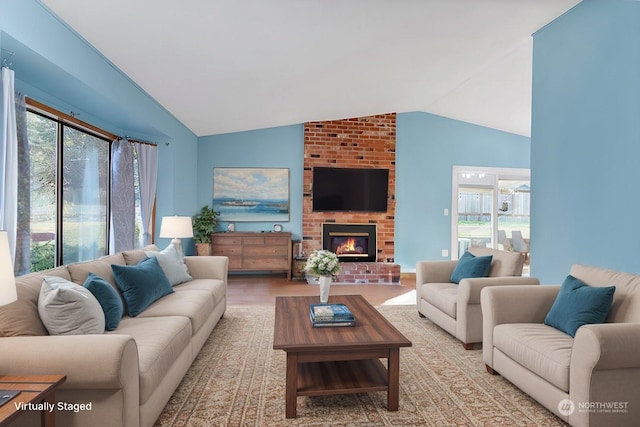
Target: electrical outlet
[[446, 212], [445, 252]]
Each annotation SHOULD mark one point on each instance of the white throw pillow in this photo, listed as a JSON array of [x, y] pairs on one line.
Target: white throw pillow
[[68, 309], [172, 264]]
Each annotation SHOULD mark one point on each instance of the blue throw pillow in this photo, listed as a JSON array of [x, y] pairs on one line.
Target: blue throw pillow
[[141, 284], [579, 304], [470, 265], [108, 298]]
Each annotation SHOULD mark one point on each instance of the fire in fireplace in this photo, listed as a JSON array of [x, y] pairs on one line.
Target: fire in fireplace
[[351, 242], [349, 245]]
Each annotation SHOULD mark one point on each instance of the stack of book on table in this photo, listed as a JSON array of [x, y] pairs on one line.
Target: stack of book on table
[[324, 315]]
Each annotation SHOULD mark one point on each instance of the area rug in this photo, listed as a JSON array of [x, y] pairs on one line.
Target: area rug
[[238, 380]]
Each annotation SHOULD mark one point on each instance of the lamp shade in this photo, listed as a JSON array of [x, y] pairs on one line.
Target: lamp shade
[[176, 227], [8, 292]]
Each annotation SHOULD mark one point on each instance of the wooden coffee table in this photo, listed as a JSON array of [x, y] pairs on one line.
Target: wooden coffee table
[[339, 360]]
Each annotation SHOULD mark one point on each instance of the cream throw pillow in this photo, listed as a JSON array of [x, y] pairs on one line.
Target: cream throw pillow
[[68, 309], [172, 264]]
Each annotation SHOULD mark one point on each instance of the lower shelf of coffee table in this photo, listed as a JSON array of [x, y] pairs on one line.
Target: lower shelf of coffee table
[[341, 377]]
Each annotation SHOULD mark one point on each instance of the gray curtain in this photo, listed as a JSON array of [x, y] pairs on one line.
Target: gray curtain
[[122, 197], [148, 177], [23, 237]]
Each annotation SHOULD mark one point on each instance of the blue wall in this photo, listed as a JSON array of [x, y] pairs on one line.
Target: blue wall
[[280, 147], [427, 148], [55, 66], [585, 144]]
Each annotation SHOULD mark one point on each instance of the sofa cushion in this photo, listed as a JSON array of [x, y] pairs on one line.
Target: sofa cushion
[[443, 296], [470, 265], [504, 263], [141, 284], [21, 318], [160, 342], [101, 266], [194, 305], [626, 300], [541, 349], [579, 304], [172, 264], [68, 309], [108, 298], [134, 256], [216, 288]]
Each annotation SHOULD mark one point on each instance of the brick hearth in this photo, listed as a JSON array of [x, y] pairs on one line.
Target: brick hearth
[[365, 272]]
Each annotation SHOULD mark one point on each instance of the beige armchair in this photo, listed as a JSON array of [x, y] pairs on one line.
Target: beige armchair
[[590, 380], [456, 307]]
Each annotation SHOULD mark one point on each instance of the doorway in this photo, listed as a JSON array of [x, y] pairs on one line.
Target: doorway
[[490, 208]]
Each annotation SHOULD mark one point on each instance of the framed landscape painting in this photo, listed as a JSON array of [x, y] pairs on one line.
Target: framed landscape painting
[[251, 194]]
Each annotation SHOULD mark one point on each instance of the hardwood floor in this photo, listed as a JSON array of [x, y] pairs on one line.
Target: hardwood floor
[[262, 290]]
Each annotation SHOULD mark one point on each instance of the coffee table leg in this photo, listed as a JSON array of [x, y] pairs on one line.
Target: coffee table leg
[[291, 398], [48, 419], [393, 371]]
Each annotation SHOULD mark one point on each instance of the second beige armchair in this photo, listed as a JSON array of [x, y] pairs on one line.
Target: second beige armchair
[[456, 307]]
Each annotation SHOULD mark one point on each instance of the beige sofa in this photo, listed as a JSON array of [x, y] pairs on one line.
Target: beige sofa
[[129, 374], [598, 371], [456, 307]]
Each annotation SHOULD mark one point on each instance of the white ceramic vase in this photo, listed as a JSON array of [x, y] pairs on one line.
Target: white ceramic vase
[[324, 282]]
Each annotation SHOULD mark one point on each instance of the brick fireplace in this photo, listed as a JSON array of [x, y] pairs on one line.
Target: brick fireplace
[[364, 142], [351, 242]]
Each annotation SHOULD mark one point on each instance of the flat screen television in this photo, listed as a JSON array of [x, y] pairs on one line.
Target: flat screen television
[[350, 189]]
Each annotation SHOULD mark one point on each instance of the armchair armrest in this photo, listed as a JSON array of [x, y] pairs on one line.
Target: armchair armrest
[[607, 346], [469, 289], [108, 361], [512, 304], [433, 272], [605, 368], [208, 267], [517, 304]]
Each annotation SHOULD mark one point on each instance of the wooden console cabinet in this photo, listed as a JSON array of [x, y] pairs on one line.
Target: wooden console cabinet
[[255, 251]]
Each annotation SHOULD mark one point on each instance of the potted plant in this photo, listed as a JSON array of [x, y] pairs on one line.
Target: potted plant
[[204, 224]]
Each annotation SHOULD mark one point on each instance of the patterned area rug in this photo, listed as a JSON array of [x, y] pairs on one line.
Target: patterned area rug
[[238, 380]]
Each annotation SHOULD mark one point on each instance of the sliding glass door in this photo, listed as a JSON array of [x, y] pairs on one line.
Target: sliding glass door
[[490, 208]]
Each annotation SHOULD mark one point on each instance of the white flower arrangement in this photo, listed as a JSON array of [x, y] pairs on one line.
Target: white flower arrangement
[[322, 263]]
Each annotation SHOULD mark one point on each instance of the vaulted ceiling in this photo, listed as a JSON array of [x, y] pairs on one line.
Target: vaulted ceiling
[[232, 65]]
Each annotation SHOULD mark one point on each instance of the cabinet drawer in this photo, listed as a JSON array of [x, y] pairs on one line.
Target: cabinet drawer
[[227, 250], [227, 240], [276, 251], [258, 240], [278, 240], [235, 263], [266, 263]]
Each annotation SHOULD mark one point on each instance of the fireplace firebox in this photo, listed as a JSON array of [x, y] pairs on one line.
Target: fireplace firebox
[[351, 242]]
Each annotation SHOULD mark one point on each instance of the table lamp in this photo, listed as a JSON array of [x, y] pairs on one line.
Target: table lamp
[[176, 227], [8, 292]]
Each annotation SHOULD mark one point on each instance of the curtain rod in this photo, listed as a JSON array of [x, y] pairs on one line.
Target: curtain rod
[[140, 141], [70, 118]]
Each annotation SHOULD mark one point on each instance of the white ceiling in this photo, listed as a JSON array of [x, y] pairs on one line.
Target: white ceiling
[[224, 66]]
